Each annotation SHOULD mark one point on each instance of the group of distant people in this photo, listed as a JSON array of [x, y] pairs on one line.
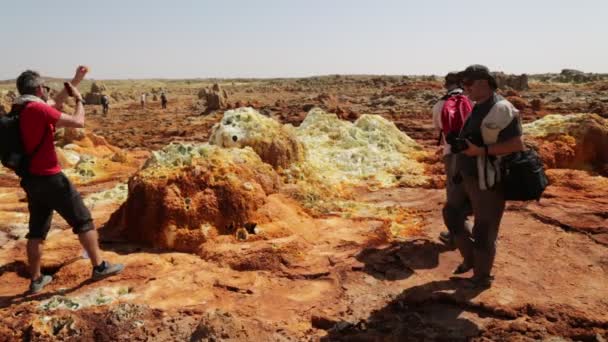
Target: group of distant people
[[477, 126], [163, 100], [105, 102]]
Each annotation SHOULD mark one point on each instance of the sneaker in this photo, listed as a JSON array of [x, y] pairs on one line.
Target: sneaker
[[106, 269], [446, 238], [37, 285]]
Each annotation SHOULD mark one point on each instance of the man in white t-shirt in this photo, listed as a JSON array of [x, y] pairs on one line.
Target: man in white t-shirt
[[142, 100], [453, 88]]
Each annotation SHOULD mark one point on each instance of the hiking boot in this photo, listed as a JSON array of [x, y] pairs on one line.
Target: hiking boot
[[479, 282], [463, 268], [446, 238], [105, 269], [37, 285]]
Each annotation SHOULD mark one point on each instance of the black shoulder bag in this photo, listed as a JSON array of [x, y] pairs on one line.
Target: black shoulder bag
[[523, 176]]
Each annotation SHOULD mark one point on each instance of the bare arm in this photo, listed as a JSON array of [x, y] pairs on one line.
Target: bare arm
[[76, 120], [514, 144], [60, 98], [437, 116]]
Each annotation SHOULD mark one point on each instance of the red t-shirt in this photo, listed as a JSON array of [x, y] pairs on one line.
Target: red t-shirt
[[37, 122]]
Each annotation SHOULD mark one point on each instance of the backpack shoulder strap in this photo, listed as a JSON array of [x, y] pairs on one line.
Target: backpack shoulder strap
[[40, 143]]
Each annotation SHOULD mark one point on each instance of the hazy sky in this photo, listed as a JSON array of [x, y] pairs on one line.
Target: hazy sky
[[281, 38]]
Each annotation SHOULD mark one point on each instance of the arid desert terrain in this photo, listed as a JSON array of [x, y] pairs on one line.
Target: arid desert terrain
[[308, 209]]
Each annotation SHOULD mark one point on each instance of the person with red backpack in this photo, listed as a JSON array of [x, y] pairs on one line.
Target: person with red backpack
[[46, 187], [449, 115]]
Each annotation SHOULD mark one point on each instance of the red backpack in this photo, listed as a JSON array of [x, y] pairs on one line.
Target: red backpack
[[455, 111]]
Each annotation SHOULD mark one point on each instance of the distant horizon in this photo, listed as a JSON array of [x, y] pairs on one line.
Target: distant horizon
[[265, 39], [289, 77]]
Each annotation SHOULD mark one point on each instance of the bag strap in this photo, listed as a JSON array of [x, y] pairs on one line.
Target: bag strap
[[39, 144], [493, 102], [485, 171]]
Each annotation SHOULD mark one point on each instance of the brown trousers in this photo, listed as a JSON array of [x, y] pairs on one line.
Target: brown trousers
[[478, 248]]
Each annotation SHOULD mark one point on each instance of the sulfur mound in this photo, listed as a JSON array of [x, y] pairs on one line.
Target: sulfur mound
[[276, 144], [186, 194], [575, 141], [372, 149], [87, 157]]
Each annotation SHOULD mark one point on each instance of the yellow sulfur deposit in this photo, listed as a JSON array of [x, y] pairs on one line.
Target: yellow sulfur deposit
[[274, 143], [325, 149], [371, 150], [572, 124], [576, 141]]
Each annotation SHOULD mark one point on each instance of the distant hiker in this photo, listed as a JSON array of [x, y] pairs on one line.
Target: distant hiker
[[449, 114], [105, 103], [47, 188], [163, 100], [142, 100], [492, 130]]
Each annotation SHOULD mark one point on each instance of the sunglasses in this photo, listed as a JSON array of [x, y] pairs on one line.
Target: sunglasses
[[46, 88], [468, 83]]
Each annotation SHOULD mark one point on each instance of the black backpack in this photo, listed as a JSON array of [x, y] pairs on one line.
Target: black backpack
[[12, 153], [523, 176]]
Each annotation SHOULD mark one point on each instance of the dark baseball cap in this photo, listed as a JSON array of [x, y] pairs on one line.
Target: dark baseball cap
[[478, 72]]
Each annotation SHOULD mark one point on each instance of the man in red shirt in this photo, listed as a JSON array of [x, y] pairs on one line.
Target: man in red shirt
[[47, 188]]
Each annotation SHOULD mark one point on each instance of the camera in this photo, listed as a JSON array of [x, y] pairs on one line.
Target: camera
[[68, 89], [456, 143], [459, 144]]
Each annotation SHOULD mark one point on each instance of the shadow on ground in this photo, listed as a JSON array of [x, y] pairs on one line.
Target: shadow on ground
[[428, 312], [400, 259]]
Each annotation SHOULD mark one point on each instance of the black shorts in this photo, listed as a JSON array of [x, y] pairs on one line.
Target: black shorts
[[48, 193]]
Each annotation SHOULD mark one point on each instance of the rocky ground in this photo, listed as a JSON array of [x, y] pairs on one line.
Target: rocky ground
[[352, 261]]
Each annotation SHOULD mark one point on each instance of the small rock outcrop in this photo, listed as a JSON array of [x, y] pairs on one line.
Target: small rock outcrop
[[214, 98], [571, 76], [93, 97], [515, 82], [576, 76]]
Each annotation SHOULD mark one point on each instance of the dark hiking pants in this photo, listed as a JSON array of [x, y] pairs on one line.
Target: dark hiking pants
[[478, 248], [46, 194], [452, 188]]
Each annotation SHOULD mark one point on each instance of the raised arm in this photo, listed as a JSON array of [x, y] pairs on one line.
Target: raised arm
[[60, 98], [76, 120]]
